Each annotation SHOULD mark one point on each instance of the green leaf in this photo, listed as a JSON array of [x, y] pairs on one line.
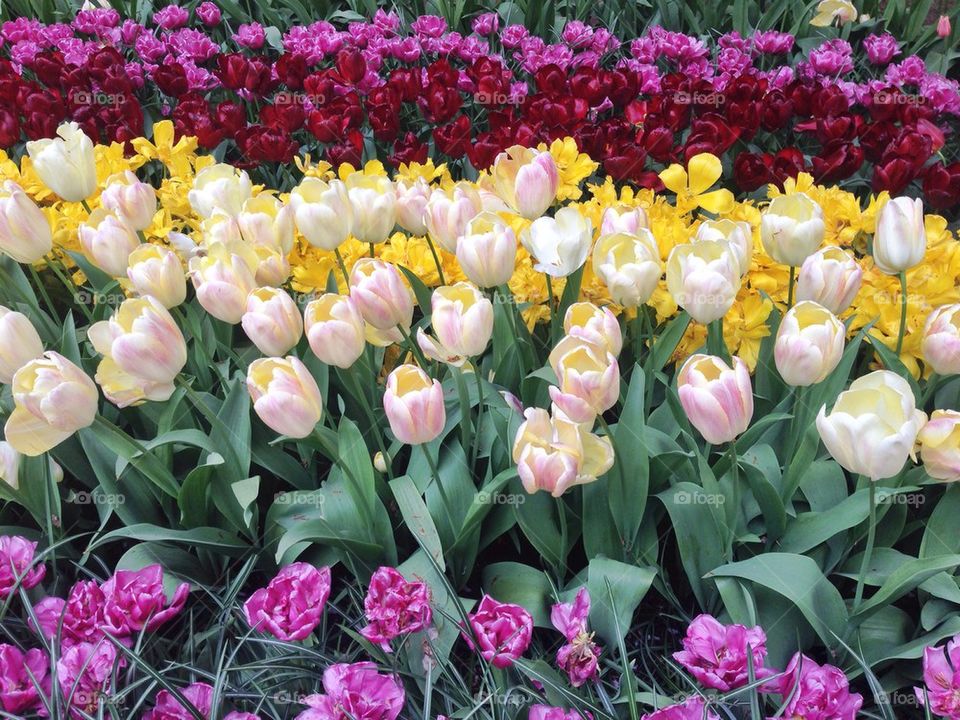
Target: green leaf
[[417, 517], [210, 537], [616, 590], [628, 482], [522, 585], [904, 579], [940, 537], [666, 344]]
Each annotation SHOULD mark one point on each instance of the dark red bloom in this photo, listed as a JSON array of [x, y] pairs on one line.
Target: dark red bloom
[[752, 170], [453, 139], [266, 144], [837, 161], [941, 186], [171, 79], [351, 65]]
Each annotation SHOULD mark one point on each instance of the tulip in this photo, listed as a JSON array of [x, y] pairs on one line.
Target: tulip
[[722, 657], [272, 321], [132, 201], [830, 10], [108, 242], [395, 607], [266, 221], [335, 329], [143, 351], [943, 26], [381, 295], [704, 278], [374, 202], [555, 453], [272, 266], [53, 399], [291, 605], [487, 250], [10, 466], [525, 179], [873, 426], [595, 325], [941, 340], [19, 343], [24, 231], [66, 163], [623, 219], [220, 187], [900, 241], [559, 244], [791, 228], [940, 445], [285, 395], [589, 379], [356, 690], [831, 277], [323, 213], [157, 271], [414, 405], [448, 214], [462, 320], [223, 279], [809, 344], [411, 204], [738, 234], [221, 228], [629, 265], [717, 399]]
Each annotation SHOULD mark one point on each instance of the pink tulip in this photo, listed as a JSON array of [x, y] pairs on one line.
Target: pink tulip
[[134, 600], [718, 399], [85, 675], [941, 340], [941, 678], [716, 655], [595, 325], [502, 631], [546, 712], [395, 607], [815, 692], [943, 26], [414, 405], [167, 707], [355, 691], [291, 604], [18, 691], [78, 619], [16, 565], [378, 289], [693, 708], [588, 377], [579, 657]]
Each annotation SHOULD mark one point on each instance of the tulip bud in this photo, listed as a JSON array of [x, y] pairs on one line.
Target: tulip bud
[[527, 180], [220, 187], [108, 242], [66, 163], [411, 205], [54, 398], [704, 278], [132, 201], [588, 376], [414, 405], [378, 289], [487, 251], [809, 344], [157, 271], [380, 462], [629, 265], [738, 234], [272, 321], [943, 26], [595, 325], [323, 212], [873, 426], [554, 453], [374, 202], [266, 221], [285, 395], [335, 329], [623, 219], [831, 277], [941, 340], [24, 231], [900, 241], [940, 445], [143, 351], [791, 228], [19, 343], [272, 268], [10, 466], [462, 320], [717, 399], [559, 244], [448, 214], [223, 278]]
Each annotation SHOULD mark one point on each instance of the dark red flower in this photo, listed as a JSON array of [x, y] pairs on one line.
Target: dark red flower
[[453, 139], [171, 79], [752, 170], [439, 102], [351, 65], [941, 186], [266, 144], [893, 175], [837, 161], [408, 149]]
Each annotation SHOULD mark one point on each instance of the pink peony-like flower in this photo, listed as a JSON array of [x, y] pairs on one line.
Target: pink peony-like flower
[[815, 692], [941, 678], [693, 708], [81, 613], [502, 631], [395, 607], [579, 657], [134, 600], [716, 654], [85, 676], [548, 712], [291, 604], [171, 17], [355, 691], [209, 13], [486, 24], [18, 692], [236, 715], [250, 35], [167, 707], [16, 565]]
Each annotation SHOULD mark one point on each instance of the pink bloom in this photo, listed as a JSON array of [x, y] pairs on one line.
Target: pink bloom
[[502, 631], [486, 24], [78, 619], [355, 692], [881, 49], [171, 17], [134, 600], [832, 58], [429, 26], [546, 712], [168, 707], [716, 654], [235, 715], [579, 657], [577, 34], [819, 692], [250, 35], [85, 676], [941, 677], [772, 42], [513, 35], [692, 708], [18, 692], [208, 13], [16, 565], [291, 604], [395, 607]]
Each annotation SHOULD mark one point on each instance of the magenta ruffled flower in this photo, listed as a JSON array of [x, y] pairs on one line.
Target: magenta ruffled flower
[[81, 613], [941, 678], [171, 17], [85, 676], [355, 691], [716, 654], [693, 708], [819, 692], [291, 604], [18, 692], [134, 600], [547, 712], [502, 631], [167, 707], [486, 24], [208, 13], [773, 42], [16, 565], [429, 26], [250, 35], [579, 657], [881, 49], [395, 607]]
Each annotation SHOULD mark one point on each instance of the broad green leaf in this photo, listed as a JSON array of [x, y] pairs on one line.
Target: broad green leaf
[[522, 585], [616, 590]]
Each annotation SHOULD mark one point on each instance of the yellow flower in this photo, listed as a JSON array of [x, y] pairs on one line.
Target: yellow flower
[[177, 156], [573, 167], [373, 167], [409, 172], [691, 185], [830, 10]]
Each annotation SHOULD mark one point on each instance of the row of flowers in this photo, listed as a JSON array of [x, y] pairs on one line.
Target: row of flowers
[[633, 106]]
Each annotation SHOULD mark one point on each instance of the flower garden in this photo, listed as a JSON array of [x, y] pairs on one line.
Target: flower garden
[[468, 363]]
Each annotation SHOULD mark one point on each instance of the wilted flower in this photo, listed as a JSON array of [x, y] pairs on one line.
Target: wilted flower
[[20, 674], [16, 565], [718, 655], [502, 631], [579, 657], [291, 605], [395, 607], [134, 600], [941, 679], [815, 692], [355, 691]]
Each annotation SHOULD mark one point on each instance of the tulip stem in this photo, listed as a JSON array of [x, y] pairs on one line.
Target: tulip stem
[[475, 450], [372, 250], [86, 206], [368, 410], [715, 343], [793, 278], [43, 291], [435, 470], [550, 305], [436, 261], [868, 552], [735, 493], [68, 284], [903, 311], [929, 389], [414, 348], [343, 267]]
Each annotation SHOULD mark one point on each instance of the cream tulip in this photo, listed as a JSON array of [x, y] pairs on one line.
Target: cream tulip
[[264, 220], [108, 242], [272, 321], [222, 188], [487, 250], [900, 241], [222, 278], [10, 466], [413, 403], [941, 340], [381, 295], [737, 233], [559, 244], [717, 398], [629, 265], [285, 396], [323, 212], [940, 445], [374, 201], [704, 278], [791, 228], [25, 234], [132, 201], [525, 179], [335, 329], [412, 200], [595, 325], [19, 343], [623, 219], [273, 267], [588, 378], [831, 277], [448, 213], [809, 344], [462, 322], [157, 271], [66, 163]]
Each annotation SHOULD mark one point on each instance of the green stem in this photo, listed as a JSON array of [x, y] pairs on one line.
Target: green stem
[[638, 326], [414, 348], [343, 267], [372, 250], [435, 471], [43, 290], [553, 318], [929, 389], [436, 261], [735, 493], [715, 343], [868, 552], [86, 206], [475, 451], [793, 277], [903, 311], [372, 419]]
